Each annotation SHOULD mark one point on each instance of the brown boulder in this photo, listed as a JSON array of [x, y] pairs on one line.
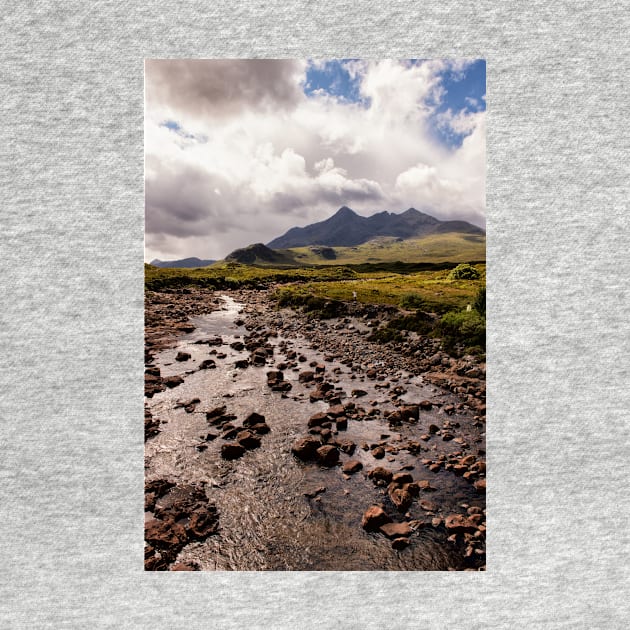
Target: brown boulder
[[396, 530], [252, 419], [328, 455], [374, 517], [352, 466], [306, 448], [164, 534], [248, 440], [182, 356], [380, 473], [232, 451], [458, 523], [402, 499]]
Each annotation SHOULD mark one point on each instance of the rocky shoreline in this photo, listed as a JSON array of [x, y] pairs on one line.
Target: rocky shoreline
[[356, 382]]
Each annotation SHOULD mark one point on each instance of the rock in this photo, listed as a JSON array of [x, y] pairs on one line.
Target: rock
[[378, 452], [185, 566], [433, 428], [336, 411], [429, 506], [396, 530], [306, 377], [203, 522], [172, 381], [216, 412], [248, 440], [238, 346], [164, 534], [262, 428], [241, 364], [402, 477], [410, 413], [459, 524], [358, 393], [182, 356], [311, 494], [480, 486], [380, 474], [328, 455], [425, 405], [207, 364], [316, 420], [232, 451], [346, 446], [306, 448], [374, 517], [402, 499], [341, 424], [352, 466], [252, 419]]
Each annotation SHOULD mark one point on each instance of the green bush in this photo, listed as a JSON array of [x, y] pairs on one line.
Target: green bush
[[480, 301], [464, 272], [412, 301], [466, 328]]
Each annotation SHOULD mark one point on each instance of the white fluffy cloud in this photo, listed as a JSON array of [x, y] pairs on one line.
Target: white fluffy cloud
[[248, 155]]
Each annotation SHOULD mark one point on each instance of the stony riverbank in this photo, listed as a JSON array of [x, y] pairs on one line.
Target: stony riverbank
[[385, 443]]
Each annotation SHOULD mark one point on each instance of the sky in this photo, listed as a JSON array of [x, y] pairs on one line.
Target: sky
[[239, 151]]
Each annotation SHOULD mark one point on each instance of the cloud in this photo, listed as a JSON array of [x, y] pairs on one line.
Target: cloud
[[222, 87], [237, 153]]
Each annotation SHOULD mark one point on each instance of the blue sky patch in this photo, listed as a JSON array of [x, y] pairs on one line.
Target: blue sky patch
[[333, 78], [175, 127]]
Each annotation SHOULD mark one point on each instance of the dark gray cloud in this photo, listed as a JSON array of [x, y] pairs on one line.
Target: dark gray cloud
[[223, 86]]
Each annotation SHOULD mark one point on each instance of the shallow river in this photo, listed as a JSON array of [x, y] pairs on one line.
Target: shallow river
[[266, 521]]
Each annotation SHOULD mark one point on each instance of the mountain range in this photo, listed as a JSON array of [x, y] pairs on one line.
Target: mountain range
[[184, 262], [346, 229]]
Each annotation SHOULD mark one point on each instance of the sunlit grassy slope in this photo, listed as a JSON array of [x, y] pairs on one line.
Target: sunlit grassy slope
[[453, 247]]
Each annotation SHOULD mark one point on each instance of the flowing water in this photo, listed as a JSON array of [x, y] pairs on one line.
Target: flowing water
[[266, 521]]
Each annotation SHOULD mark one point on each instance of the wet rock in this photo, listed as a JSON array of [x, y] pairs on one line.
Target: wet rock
[[380, 474], [352, 466], [402, 477], [374, 517], [402, 499], [378, 452], [346, 446], [336, 411], [252, 419], [358, 393], [232, 451], [172, 381], [396, 530], [458, 523], [164, 534], [203, 522], [327, 455], [182, 356], [306, 448], [248, 440], [316, 420], [262, 428], [185, 566]]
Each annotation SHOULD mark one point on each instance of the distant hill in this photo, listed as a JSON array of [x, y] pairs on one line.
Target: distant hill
[[184, 263], [347, 229], [259, 254]]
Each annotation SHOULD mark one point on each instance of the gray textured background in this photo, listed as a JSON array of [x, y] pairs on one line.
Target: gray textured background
[[71, 176]]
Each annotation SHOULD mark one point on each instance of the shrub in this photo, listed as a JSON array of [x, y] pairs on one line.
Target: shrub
[[466, 328], [480, 301], [412, 301], [464, 272]]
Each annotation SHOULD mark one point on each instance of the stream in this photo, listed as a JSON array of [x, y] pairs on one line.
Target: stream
[[266, 521]]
